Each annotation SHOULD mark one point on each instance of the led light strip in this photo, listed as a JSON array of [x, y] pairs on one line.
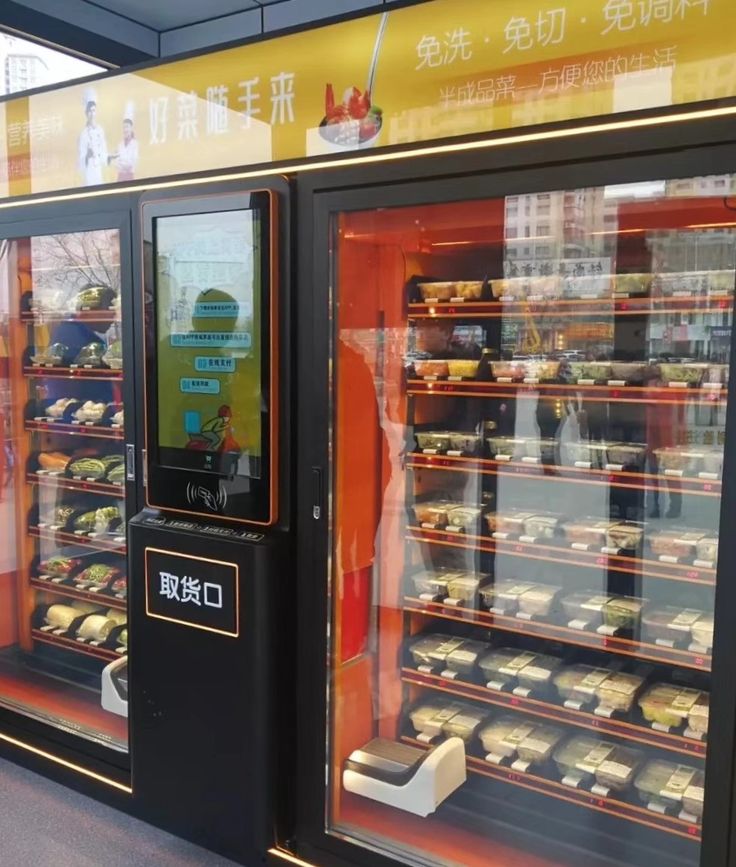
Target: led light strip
[[428, 150], [287, 856], [64, 763]]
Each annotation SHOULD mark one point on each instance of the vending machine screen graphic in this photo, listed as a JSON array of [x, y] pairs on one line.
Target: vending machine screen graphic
[[208, 317]]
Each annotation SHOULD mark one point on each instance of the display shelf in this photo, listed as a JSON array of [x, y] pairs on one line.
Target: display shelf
[[567, 555], [669, 396], [622, 479], [85, 373], [81, 430], [91, 316], [641, 734], [104, 600], [564, 307], [74, 645], [70, 484], [625, 810], [61, 537], [563, 634]]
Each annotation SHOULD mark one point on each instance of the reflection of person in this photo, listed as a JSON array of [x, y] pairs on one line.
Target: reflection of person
[[92, 144], [127, 152], [362, 476]]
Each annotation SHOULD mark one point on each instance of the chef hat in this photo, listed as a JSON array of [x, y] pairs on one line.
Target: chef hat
[[90, 95], [129, 111]]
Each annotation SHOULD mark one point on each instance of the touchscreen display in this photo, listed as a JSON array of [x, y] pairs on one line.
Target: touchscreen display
[[208, 331]]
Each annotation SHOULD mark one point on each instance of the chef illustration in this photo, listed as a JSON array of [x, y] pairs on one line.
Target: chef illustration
[[92, 145], [126, 156]]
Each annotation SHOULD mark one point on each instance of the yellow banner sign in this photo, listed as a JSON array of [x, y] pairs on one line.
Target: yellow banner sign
[[437, 69]]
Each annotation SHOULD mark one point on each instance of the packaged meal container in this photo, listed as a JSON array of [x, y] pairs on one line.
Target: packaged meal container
[[623, 612], [587, 606], [433, 583], [430, 716], [676, 542], [432, 367], [702, 631], [698, 717], [465, 367], [504, 664], [619, 691], [544, 369], [544, 449], [587, 452], [668, 705], [538, 672], [465, 723], [434, 440], [627, 454], [503, 735], [467, 517], [466, 443], [693, 797], [464, 658], [717, 374], [677, 458], [627, 535], [693, 282], [707, 548], [511, 287], [582, 755], [431, 650], [588, 531], [689, 373], [595, 370], [543, 525], [465, 588], [509, 736], [508, 521], [512, 447], [664, 783], [713, 461], [720, 282], [423, 712], [538, 600], [587, 286], [617, 770], [580, 682], [434, 512], [470, 290], [507, 593], [436, 291], [632, 284], [628, 371], [669, 623], [508, 369]]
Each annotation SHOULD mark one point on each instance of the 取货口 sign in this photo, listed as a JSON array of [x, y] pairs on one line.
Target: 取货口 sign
[[192, 591]]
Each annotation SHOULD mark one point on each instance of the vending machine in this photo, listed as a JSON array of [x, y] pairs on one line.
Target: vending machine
[[516, 596], [67, 482], [210, 549]]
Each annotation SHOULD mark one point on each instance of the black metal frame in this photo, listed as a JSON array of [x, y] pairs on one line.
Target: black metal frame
[[706, 146], [25, 223]]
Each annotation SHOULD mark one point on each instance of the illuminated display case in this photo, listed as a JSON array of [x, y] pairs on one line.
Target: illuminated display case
[[63, 629], [527, 404]]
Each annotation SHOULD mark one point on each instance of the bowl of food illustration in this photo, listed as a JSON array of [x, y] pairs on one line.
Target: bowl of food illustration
[[354, 123]]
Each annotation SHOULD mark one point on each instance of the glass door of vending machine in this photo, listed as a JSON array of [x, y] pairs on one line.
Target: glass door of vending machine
[[64, 485], [527, 431]]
